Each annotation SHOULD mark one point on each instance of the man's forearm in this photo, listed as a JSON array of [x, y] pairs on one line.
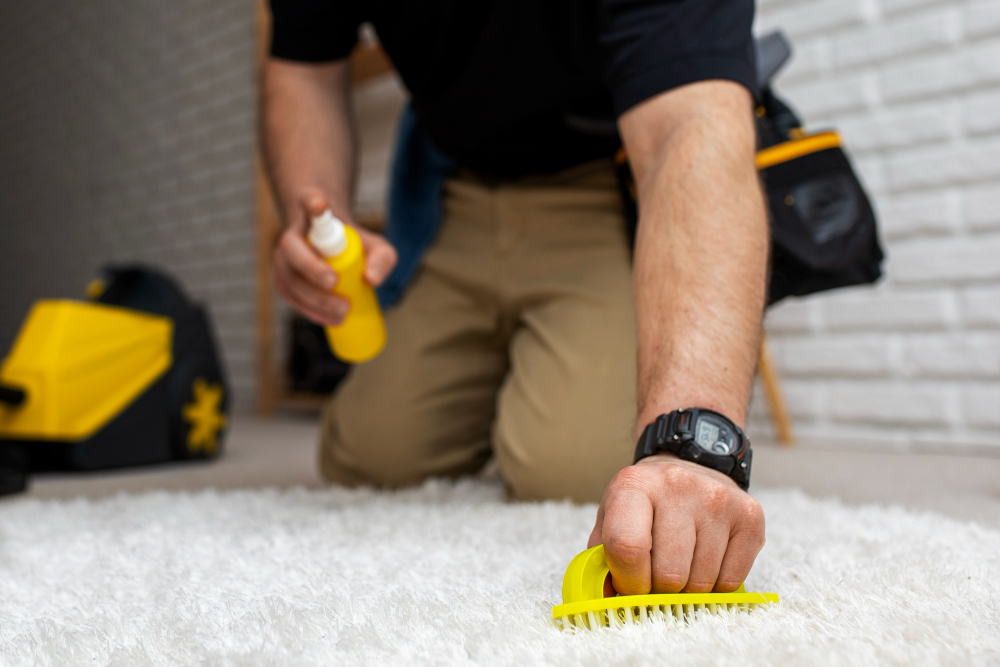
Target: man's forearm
[[308, 134], [701, 249]]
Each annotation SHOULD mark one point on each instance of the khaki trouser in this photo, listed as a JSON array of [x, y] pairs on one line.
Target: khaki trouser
[[516, 338]]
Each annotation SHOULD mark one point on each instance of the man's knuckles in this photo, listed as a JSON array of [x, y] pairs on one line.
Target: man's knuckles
[[628, 551], [748, 519], [313, 200], [681, 478], [388, 257], [727, 586], [668, 582], [693, 586], [716, 499], [629, 480], [284, 242], [278, 256], [751, 513]]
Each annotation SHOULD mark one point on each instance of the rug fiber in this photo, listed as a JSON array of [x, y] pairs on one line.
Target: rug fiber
[[450, 574]]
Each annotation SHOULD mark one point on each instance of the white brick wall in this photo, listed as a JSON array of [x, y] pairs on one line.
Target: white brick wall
[[914, 86], [128, 135]]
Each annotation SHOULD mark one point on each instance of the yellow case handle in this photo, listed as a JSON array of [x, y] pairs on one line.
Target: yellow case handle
[[585, 576]]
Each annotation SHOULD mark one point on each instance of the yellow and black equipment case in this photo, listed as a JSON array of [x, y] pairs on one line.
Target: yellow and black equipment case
[[131, 377]]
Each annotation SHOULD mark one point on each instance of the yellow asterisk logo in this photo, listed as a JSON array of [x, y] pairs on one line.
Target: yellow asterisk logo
[[204, 416]]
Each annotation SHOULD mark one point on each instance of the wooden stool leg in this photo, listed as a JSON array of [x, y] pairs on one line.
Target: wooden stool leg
[[267, 231], [268, 227], [775, 397]]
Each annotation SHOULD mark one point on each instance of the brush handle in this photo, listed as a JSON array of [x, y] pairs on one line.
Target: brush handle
[[586, 574]]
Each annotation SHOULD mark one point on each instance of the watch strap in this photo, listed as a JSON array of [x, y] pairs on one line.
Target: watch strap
[[674, 433]]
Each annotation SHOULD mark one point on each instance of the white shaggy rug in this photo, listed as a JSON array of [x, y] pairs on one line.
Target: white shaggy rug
[[449, 574]]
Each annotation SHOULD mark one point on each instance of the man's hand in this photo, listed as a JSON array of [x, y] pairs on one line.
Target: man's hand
[[305, 280], [309, 141], [671, 526]]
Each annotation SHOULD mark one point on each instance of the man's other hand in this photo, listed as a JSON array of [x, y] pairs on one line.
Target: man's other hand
[[302, 276], [672, 526]]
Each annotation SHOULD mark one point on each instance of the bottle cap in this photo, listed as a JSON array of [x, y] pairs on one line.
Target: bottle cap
[[327, 234]]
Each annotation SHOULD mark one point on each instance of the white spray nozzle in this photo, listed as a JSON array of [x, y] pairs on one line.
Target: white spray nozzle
[[328, 235]]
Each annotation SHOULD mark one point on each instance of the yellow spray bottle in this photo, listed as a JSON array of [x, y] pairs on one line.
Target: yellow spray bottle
[[361, 336]]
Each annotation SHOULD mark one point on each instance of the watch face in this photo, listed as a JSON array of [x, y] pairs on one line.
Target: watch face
[[713, 435]]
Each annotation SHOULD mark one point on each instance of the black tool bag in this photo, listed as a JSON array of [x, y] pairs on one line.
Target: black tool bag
[[312, 367], [823, 231]]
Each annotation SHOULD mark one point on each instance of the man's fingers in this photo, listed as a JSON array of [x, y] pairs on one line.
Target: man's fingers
[[380, 257], [736, 564], [744, 545], [318, 305], [628, 516], [305, 309], [322, 307], [595, 534], [709, 548], [328, 315], [305, 261], [673, 546], [314, 202], [593, 541]]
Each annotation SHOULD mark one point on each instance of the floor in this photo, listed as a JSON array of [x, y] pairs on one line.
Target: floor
[[280, 452]]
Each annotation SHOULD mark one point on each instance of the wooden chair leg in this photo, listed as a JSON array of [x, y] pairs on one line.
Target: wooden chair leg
[[267, 232], [267, 382], [775, 397]]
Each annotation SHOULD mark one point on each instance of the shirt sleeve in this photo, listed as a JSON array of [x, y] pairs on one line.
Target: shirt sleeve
[[651, 46], [314, 30]]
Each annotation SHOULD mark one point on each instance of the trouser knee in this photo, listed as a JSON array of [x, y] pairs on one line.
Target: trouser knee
[[361, 448]]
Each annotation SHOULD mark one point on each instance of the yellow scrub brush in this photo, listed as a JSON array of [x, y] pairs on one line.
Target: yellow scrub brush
[[584, 604]]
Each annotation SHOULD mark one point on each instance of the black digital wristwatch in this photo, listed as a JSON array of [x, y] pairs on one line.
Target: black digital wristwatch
[[702, 436]]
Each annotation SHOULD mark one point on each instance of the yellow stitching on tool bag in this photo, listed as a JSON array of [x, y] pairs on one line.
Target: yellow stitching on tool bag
[[790, 150]]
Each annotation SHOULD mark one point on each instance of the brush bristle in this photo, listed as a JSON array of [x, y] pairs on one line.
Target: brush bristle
[[632, 615]]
